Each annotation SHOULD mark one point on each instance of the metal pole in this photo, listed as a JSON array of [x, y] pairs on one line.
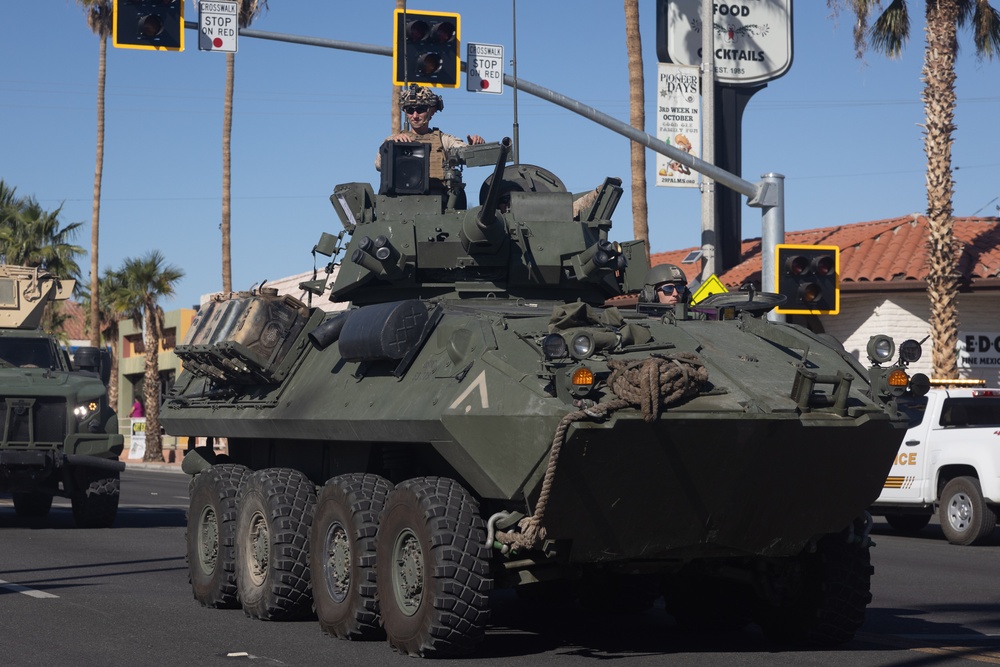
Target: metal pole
[[754, 191], [772, 233], [709, 236], [517, 129]]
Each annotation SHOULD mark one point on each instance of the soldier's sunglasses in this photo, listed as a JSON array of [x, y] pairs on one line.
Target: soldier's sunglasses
[[412, 110], [669, 289]]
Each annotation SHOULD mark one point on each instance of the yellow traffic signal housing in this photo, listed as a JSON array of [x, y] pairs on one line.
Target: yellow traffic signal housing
[[426, 48], [154, 25], [809, 277]]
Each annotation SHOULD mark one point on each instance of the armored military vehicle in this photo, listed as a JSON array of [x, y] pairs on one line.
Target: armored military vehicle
[[60, 436], [479, 417]]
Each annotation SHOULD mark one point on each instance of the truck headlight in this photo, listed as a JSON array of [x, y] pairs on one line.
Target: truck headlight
[[583, 346], [86, 410], [880, 349]]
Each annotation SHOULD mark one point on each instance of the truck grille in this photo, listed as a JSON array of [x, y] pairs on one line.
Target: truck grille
[[43, 418]]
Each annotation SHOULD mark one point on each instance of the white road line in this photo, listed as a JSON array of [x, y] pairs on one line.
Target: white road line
[[31, 592]]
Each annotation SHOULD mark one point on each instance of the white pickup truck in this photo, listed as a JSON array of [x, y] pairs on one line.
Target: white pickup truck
[[949, 461]]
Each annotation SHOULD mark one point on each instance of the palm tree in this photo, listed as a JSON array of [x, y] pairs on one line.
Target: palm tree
[[34, 237], [637, 118], [144, 281], [248, 11], [9, 203], [31, 236], [888, 35], [100, 15]]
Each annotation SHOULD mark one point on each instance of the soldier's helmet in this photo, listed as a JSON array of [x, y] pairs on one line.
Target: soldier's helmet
[[423, 95], [658, 275], [665, 273]]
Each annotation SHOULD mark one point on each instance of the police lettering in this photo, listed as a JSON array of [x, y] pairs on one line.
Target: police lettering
[[906, 459]]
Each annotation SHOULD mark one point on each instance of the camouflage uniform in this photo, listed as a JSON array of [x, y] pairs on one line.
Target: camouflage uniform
[[439, 141]]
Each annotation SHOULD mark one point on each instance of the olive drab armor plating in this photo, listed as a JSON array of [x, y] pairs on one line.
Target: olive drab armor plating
[[489, 409]]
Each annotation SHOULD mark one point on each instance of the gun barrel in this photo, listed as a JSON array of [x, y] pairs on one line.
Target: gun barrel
[[488, 212]]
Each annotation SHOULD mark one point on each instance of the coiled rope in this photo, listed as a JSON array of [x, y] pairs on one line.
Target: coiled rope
[[651, 384]]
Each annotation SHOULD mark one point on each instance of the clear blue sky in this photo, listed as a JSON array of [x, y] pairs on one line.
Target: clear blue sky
[[846, 134]]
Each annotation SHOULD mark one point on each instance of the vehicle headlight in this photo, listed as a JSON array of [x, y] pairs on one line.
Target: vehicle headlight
[[880, 349], [583, 346], [554, 346], [910, 351], [85, 411]]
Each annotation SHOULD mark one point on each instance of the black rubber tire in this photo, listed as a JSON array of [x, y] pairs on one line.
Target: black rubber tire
[[907, 523], [965, 517], [342, 555], [95, 499], [32, 504], [432, 570], [703, 605], [275, 511], [211, 535], [835, 589]]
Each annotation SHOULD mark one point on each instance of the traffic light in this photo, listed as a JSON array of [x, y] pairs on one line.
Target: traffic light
[[156, 25], [809, 277], [425, 49]]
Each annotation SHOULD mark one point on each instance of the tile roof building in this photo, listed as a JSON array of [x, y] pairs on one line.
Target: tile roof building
[[883, 267]]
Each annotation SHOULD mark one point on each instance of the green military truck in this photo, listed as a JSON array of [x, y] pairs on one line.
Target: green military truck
[[59, 435]]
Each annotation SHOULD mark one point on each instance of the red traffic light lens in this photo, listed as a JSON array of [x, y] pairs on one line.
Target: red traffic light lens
[[443, 32], [417, 31], [796, 265], [823, 265]]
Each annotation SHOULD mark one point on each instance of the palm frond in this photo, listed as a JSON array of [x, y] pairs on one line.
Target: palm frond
[[891, 30]]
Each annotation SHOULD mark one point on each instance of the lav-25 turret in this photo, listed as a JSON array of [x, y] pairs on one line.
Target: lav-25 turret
[[59, 435], [479, 418]]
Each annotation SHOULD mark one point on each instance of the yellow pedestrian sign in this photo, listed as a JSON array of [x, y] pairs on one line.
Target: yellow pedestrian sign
[[711, 286]]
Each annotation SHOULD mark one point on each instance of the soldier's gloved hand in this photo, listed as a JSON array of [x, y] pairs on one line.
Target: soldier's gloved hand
[[475, 139]]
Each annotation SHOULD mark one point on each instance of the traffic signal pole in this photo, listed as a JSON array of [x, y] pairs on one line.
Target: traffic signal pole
[[768, 194]]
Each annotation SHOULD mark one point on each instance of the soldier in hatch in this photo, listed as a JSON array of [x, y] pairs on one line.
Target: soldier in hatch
[[420, 105], [666, 285]]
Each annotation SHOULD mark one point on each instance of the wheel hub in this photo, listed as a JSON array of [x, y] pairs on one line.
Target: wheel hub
[[408, 572], [260, 548], [337, 571], [208, 540], [960, 512]]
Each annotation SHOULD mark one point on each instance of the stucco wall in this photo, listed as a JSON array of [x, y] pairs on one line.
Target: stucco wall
[[905, 315]]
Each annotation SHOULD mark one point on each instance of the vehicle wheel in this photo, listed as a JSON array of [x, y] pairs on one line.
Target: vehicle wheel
[[702, 604], [432, 570], [275, 510], [342, 555], [211, 535], [907, 523], [965, 517], [833, 589], [95, 498], [33, 504]]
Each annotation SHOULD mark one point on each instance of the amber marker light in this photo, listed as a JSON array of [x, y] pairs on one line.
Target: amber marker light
[[898, 378], [583, 377]]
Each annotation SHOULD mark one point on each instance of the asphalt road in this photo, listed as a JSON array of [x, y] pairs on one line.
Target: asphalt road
[[120, 596]]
